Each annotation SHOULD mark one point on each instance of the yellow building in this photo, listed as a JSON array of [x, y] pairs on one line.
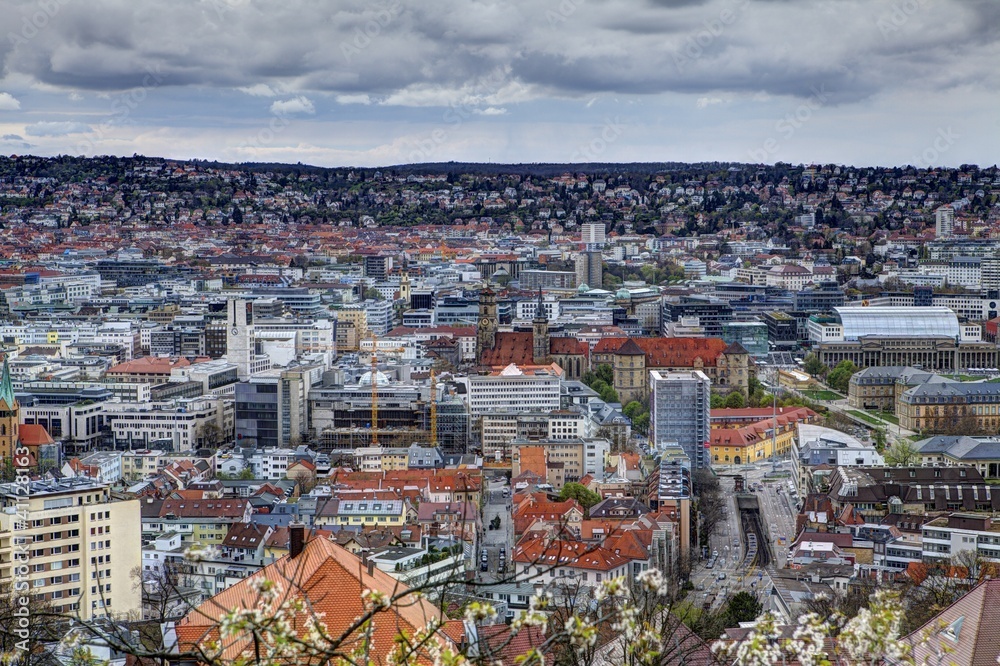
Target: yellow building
[[75, 561], [751, 444], [201, 521], [359, 513]]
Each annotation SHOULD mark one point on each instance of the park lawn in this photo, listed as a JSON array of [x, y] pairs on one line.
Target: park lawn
[[867, 418], [886, 416], [821, 394], [964, 378]]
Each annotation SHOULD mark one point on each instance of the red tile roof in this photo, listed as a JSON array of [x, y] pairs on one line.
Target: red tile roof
[[666, 352], [330, 581], [577, 554]]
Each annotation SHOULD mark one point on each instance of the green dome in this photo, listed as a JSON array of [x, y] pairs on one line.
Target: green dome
[[623, 294], [583, 288]]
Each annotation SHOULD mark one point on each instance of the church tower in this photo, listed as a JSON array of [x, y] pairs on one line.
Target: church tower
[[404, 289], [486, 333], [9, 414], [540, 333]]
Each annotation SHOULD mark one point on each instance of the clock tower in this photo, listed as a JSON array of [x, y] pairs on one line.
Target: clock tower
[[487, 325], [240, 331]]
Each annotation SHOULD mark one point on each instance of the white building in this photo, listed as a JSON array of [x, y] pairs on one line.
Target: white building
[[515, 389], [680, 405], [181, 421], [944, 221]]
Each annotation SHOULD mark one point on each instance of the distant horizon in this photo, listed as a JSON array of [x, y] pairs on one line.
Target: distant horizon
[[442, 165]]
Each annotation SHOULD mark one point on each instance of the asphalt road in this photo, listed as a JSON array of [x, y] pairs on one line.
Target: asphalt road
[[493, 540], [777, 510]]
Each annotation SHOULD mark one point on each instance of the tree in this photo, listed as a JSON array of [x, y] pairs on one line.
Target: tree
[[735, 400], [813, 365], [633, 409], [372, 294], [902, 454], [641, 424], [742, 607], [717, 401], [586, 497], [840, 376]]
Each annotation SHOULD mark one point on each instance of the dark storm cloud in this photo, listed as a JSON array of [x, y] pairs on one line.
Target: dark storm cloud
[[561, 48]]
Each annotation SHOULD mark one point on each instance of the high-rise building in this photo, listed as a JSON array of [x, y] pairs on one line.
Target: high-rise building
[[944, 221], [64, 529], [592, 233], [273, 407], [590, 269], [241, 347], [680, 412]]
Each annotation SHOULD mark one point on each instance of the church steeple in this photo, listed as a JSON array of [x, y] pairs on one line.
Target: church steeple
[[7, 387], [9, 414]]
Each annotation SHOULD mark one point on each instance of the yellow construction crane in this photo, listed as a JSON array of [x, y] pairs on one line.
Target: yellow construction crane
[[434, 411]]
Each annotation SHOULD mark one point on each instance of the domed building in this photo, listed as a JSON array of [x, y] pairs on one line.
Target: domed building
[[380, 379]]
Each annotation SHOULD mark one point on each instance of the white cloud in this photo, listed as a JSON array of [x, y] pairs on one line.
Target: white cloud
[[491, 111], [56, 129], [259, 90], [708, 101], [295, 105], [8, 102], [353, 99], [75, 97]]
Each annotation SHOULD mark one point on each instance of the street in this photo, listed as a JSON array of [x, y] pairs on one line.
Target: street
[[493, 540], [777, 508]]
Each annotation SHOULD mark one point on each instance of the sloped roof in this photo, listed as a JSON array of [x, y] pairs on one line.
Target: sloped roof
[[968, 631], [331, 581], [577, 554]]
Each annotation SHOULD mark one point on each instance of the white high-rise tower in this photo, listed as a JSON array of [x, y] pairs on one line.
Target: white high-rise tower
[[241, 348]]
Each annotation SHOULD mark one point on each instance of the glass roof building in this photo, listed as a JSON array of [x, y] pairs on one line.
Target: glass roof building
[[885, 321]]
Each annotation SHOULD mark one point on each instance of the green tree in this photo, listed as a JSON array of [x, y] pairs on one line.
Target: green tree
[[902, 454], [742, 607], [633, 409], [609, 395], [641, 424], [586, 497], [735, 400], [840, 376], [813, 365], [372, 294], [717, 401]]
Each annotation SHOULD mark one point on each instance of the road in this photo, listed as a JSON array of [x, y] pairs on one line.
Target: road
[[493, 540], [777, 509], [727, 542]]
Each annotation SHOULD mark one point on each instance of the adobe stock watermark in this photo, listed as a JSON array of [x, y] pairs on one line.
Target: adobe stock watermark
[[122, 107], [21, 556], [696, 43], [787, 126], [365, 34], [36, 21], [265, 136], [457, 113], [942, 143], [596, 147], [894, 20], [562, 12]]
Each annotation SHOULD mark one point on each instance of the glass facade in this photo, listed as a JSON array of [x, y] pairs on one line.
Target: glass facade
[[898, 322]]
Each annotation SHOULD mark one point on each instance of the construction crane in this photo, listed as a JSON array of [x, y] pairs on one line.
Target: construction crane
[[374, 376], [434, 411]]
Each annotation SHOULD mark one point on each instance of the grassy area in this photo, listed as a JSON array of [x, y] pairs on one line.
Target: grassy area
[[886, 416], [821, 394], [867, 418], [965, 378]]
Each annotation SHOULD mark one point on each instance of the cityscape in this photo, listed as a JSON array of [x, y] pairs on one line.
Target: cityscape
[[492, 334]]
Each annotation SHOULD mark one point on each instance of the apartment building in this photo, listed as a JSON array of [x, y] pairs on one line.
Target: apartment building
[[73, 527]]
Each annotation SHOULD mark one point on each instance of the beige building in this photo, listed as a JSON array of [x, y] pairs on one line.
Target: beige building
[[67, 526]]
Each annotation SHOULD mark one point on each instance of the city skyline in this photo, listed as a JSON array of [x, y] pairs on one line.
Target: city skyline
[[877, 83]]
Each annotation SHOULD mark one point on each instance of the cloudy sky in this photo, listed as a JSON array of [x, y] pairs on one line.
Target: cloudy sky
[[378, 82]]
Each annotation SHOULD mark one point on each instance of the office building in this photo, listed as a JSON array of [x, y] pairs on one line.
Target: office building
[[680, 406], [272, 408], [711, 312], [590, 269], [515, 389]]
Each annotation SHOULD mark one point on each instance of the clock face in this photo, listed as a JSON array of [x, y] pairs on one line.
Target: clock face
[[484, 323], [235, 331]]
